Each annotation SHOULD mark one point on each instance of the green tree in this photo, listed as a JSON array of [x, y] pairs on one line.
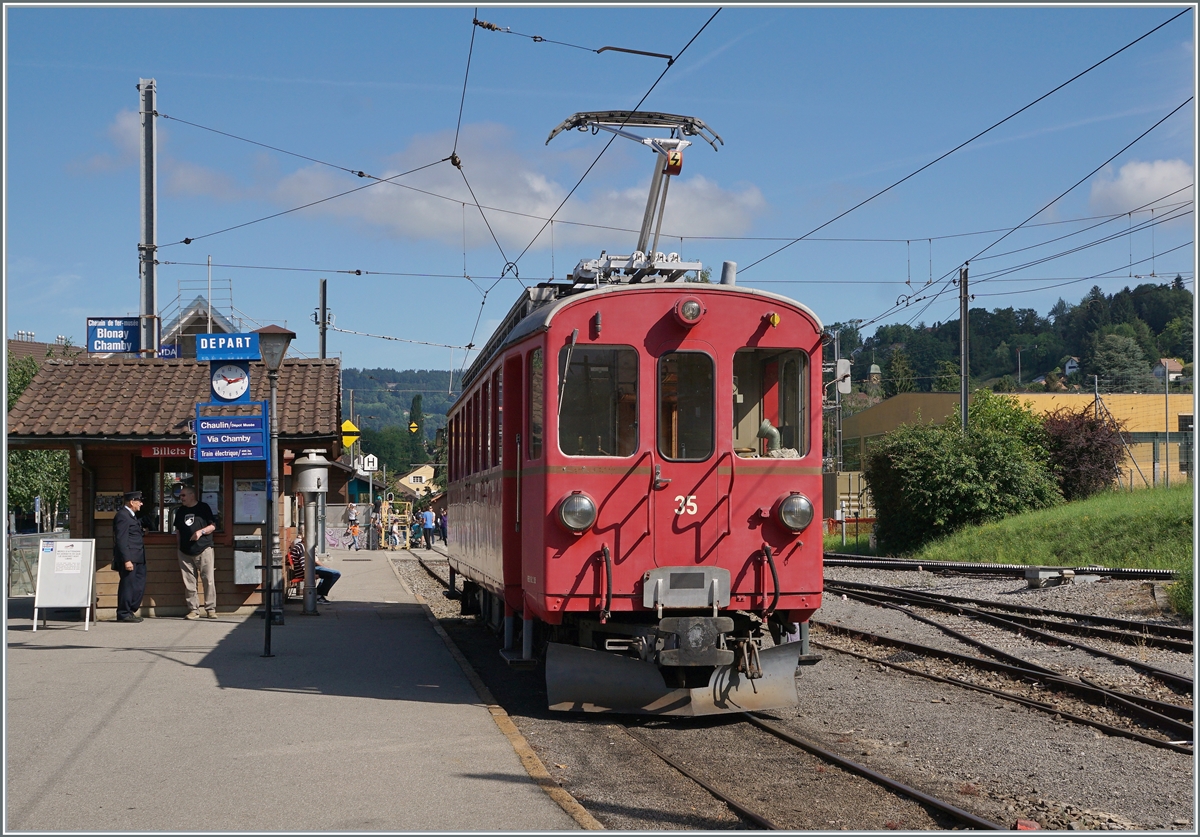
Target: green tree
[[899, 376], [947, 378], [930, 480], [1006, 383], [34, 473], [1122, 367], [1176, 339]]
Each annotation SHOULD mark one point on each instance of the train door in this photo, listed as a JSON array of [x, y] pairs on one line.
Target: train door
[[689, 519], [511, 432]]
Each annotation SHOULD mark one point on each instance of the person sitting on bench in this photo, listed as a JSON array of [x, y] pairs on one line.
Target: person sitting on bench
[[326, 576]]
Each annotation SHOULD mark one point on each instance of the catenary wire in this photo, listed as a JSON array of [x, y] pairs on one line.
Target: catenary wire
[[397, 339], [463, 100], [190, 239], [967, 142]]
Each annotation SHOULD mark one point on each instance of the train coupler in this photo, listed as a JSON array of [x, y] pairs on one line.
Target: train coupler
[[748, 661]]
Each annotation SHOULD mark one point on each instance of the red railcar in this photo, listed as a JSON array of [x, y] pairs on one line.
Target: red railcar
[[635, 468], [639, 455]]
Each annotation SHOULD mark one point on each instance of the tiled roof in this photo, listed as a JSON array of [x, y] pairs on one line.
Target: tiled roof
[[153, 399], [37, 351]]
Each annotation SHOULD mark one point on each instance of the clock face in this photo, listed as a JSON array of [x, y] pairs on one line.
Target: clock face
[[230, 381]]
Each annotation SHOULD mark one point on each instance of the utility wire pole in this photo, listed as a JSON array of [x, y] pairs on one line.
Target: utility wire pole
[[148, 309], [323, 324], [964, 352]]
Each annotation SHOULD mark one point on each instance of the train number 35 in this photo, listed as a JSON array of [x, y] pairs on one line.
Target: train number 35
[[687, 505]]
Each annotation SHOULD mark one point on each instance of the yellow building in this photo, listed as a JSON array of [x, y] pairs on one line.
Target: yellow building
[[1152, 421]]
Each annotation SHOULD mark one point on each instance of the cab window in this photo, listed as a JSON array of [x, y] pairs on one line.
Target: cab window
[[770, 407], [685, 405], [536, 402], [597, 400]]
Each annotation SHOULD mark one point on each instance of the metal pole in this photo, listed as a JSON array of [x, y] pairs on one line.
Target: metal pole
[[321, 542], [276, 554], [1167, 418], [268, 591], [964, 339], [837, 399], [310, 554], [324, 319], [210, 294], [147, 107]]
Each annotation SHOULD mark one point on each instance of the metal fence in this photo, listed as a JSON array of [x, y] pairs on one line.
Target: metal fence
[[23, 561]]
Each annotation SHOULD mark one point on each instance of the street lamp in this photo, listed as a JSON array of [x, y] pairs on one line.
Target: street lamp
[[273, 342]]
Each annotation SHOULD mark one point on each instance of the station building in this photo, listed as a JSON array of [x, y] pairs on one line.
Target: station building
[[124, 422]]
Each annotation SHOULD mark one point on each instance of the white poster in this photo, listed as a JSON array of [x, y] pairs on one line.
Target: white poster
[[250, 507], [210, 499], [211, 482], [68, 557]]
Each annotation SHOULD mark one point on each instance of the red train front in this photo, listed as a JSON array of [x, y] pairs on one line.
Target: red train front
[[635, 468]]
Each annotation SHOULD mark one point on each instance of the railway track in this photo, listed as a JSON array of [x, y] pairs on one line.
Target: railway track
[[752, 812], [904, 600], [838, 559], [1129, 631]]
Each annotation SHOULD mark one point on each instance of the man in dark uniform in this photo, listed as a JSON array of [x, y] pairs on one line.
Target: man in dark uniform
[[129, 558]]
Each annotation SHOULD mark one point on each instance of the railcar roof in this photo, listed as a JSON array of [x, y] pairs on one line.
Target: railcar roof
[[541, 318]]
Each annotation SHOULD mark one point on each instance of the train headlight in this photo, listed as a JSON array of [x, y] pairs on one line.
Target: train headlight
[[688, 311], [577, 512], [795, 512]]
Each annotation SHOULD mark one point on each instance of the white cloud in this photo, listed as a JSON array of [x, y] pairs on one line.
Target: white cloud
[[501, 177], [125, 134], [1139, 183]]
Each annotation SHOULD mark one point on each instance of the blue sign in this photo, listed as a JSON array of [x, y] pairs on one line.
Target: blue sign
[[230, 438], [227, 347], [208, 424], [107, 335], [227, 454], [169, 351]]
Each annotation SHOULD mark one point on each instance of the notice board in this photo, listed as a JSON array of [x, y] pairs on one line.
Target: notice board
[[66, 576]]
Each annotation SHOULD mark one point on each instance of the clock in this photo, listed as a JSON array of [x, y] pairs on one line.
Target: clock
[[230, 381]]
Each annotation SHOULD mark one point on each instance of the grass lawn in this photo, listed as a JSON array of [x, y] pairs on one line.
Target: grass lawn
[[1148, 528]]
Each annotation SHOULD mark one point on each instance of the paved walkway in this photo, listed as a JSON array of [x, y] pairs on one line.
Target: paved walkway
[[176, 725]]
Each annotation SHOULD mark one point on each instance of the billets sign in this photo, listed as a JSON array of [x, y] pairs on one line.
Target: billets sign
[[168, 451], [113, 335], [227, 347]]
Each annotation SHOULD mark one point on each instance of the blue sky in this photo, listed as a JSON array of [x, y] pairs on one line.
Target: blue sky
[[818, 108]]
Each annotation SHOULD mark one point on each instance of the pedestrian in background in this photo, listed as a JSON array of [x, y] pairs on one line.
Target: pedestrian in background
[[427, 527], [442, 528], [195, 523], [129, 557]]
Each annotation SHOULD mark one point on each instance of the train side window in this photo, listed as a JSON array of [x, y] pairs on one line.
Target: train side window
[[497, 416], [770, 395], [686, 405], [537, 380], [597, 400]]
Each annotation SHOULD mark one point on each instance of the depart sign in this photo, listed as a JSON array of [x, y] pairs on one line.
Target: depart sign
[[227, 347]]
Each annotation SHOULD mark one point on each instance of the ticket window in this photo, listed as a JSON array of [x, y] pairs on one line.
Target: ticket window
[[770, 394], [161, 480]]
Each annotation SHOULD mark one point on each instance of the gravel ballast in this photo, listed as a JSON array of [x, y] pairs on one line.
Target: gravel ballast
[[994, 758]]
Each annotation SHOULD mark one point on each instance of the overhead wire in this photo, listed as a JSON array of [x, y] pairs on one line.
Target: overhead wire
[[513, 263], [397, 339], [463, 100], [190, 239], [965, 143]]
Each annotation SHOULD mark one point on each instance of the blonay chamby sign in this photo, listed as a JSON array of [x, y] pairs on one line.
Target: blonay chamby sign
[[108, 335], [227, 347]]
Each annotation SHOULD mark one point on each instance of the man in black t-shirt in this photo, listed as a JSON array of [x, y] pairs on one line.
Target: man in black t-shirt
[[195, 523]]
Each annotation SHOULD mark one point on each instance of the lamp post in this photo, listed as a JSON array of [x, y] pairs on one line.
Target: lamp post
[[273, 342]]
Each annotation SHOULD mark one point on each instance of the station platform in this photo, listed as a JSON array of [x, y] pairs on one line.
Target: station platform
[[361, 721]]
